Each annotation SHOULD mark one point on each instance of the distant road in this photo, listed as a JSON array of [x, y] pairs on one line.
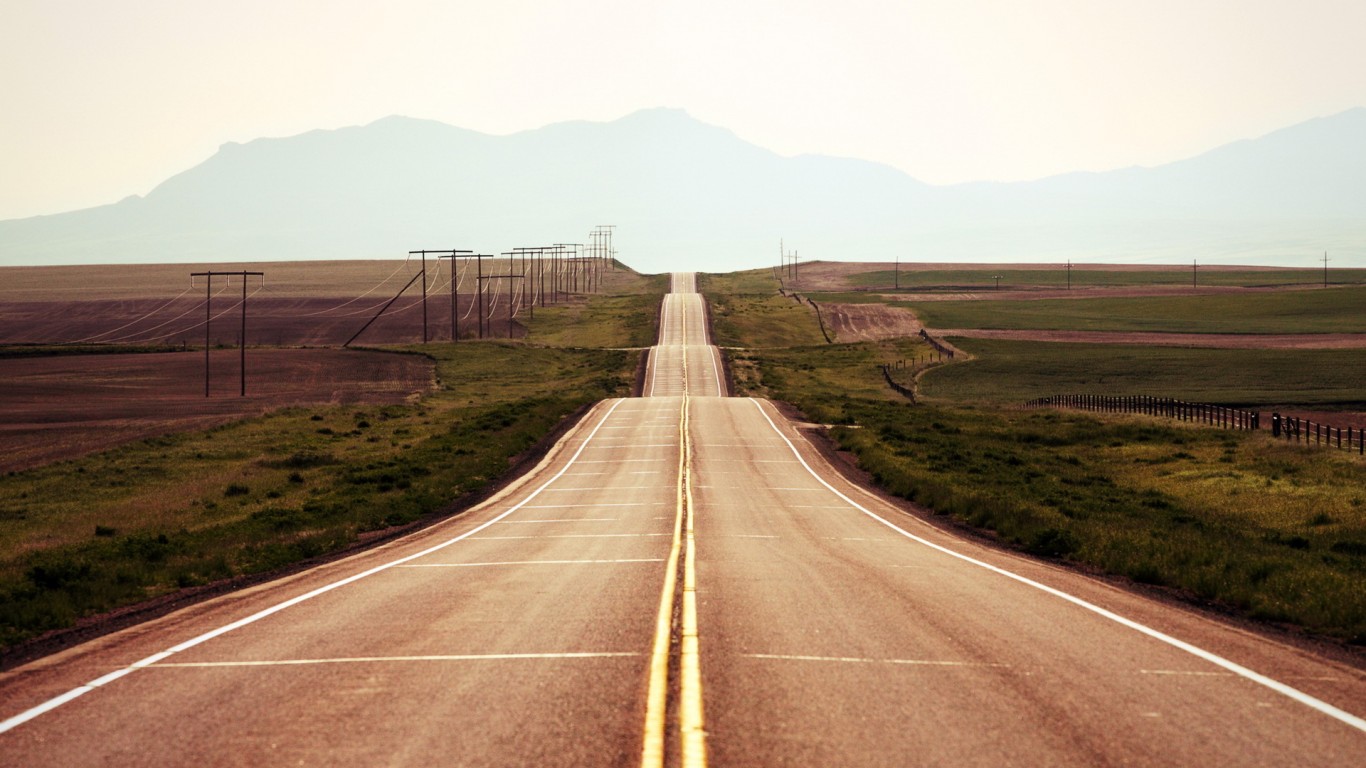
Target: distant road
[[683, 580]]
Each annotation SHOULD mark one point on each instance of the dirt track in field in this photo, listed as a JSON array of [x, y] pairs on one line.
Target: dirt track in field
[[54, 408]]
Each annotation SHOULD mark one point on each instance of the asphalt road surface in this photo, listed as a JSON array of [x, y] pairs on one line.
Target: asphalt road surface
[[684, 580]]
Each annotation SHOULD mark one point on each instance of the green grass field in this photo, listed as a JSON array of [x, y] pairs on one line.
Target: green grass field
[[984, 278], [1012, 372], [760, 318], [1334, 310], [85, 536]]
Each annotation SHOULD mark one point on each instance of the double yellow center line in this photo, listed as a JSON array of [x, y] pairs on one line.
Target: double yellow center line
[[692, 738]]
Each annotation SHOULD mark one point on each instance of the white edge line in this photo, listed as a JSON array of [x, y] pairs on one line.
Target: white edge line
[[1256, 677], [57, 701]]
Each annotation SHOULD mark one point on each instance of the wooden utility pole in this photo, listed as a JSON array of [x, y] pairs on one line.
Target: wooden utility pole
[[451, 254], [208, 318]]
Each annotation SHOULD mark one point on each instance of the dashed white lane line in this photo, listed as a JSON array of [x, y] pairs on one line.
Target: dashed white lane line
[[562, 520], [390, 659], [594, 506], [535, 562], [571, 536], [859, 660], [623, 461]]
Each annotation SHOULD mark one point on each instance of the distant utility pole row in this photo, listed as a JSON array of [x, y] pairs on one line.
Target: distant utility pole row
[[545, 275]]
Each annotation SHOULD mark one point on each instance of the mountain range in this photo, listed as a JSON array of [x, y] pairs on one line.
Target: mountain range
[[685, 195]]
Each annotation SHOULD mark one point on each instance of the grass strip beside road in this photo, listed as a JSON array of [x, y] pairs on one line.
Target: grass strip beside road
[[1271, 531]]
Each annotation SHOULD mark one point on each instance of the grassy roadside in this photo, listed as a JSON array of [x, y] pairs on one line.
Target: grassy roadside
[[1268, 530], [748, 311], [610, 321], [1334, 310], [83, 537]]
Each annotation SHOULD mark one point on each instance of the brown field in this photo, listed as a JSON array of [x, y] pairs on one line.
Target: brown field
[[58, 407], [296, 304], [833, 276], [54, 408]]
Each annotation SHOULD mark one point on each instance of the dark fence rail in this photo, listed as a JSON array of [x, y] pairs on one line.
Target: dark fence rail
[[820, 319], [908, 392], [943, 349], [1204, 413], [1295, 429]]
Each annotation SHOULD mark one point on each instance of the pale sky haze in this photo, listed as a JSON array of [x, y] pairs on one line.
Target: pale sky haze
[[106, 98]]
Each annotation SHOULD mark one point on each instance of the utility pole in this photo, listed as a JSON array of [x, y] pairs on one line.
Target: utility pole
[[1069, 274], [896, 280], [1325, 269], [509, 277], [208, 318], [424, 293], [451, 254], [1194, 265]]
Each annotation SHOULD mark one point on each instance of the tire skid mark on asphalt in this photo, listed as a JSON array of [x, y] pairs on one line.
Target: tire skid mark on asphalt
[[1319, 705]]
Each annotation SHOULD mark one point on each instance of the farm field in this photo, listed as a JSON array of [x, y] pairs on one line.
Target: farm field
[[65, 406], [294, 304], [1005, 372], [1322, 311], [924, 276]]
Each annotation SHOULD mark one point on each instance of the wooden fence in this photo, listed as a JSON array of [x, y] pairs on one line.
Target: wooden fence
[[1297, 430], [1204, 413], [943, 349]]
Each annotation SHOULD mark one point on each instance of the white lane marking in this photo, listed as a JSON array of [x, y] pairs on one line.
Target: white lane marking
[[534, 562], [595, 506], [376, 659], [858, 660], [1294, 693], [1184, 673], [563, 520], [646, 472], [57, 701], [748, 536], [618, 461], [572, 536]]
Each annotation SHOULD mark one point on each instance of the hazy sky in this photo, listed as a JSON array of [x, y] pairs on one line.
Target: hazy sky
[[106, 98]]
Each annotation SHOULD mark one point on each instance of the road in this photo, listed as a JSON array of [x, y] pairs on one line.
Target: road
[[684, 580]]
